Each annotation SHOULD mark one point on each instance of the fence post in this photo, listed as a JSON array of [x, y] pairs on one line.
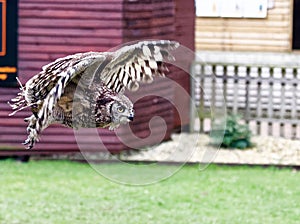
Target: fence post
[[247, 95], [294, 104], [225, 82], [270, 102], [282, 103], [259, 107], [213, 86], [193, 97], [235, 94]]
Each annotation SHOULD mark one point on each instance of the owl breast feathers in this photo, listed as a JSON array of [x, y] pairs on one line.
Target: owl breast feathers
[[87, 89]]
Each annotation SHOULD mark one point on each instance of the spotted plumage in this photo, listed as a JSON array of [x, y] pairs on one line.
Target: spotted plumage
[[87, 89]]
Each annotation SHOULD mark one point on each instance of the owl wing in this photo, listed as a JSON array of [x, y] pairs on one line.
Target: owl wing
[[136, 63], [43, 90], [62, 72], [54, 77]]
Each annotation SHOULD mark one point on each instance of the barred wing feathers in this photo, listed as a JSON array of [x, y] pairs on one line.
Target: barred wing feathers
[[53, 78], [46, 88], [136, 63], [78, 65]]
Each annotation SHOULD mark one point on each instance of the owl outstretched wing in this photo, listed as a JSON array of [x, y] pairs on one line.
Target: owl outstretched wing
[[43, 90], [136, 63], [123, 68]]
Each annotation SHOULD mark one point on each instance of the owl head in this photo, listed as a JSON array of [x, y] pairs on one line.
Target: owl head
[[112, 109], [121, 110]]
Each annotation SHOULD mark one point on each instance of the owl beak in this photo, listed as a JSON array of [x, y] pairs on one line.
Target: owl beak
[[131, 117]]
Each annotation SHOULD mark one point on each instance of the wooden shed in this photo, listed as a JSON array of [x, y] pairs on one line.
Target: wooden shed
[[277, 31], [49, 29]]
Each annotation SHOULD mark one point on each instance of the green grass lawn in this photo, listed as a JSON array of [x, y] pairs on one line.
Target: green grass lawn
[[45, 192]]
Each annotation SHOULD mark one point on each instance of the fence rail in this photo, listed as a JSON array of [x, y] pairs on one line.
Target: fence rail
[[267, 96]]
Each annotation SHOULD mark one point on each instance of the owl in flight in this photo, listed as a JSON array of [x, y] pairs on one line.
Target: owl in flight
[[87, 89]]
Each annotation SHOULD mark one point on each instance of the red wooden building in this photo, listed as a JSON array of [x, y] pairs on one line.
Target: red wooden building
[[49, 29]]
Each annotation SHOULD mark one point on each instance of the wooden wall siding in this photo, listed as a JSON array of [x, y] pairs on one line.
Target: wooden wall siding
[[238, 34], [149, 19], [49, 29], [185, 23]]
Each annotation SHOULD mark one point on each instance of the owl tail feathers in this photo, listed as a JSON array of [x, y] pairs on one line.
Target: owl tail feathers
[[19, 102]]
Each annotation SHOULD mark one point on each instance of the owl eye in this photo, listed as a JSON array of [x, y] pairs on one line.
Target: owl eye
[[120, 109]]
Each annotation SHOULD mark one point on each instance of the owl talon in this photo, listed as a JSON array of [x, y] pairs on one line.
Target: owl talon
[[30, 142], [32, 137]]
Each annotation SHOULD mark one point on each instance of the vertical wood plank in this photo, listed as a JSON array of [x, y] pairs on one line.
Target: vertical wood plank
[[247, 95], [270, 101], [193, 104], [202, 77], [213, 96], [225, 78], [282, 103], [294, 104], [235, 86], [259, 106]]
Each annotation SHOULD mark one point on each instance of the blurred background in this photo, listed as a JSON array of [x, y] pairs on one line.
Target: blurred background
[[246, 49]]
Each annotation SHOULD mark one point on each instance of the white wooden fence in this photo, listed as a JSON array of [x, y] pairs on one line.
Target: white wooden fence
[[268, 97]]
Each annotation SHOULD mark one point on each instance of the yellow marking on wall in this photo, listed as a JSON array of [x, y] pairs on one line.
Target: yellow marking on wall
[[3, 77], [8, 69]]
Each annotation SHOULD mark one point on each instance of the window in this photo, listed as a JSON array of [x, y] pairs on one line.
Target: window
[[232, 8], [8, 42]]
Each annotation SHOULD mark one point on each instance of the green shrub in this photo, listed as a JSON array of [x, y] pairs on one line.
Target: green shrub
[[236, 134]]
